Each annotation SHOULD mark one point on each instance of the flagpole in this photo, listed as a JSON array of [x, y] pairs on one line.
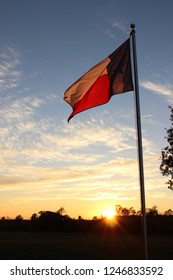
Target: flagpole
[[139, 141]]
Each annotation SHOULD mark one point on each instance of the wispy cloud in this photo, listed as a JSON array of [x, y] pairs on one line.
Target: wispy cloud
[[165, 90], [112, 180], [44, 160], [102, 181], [110, 34], [9, 69], [30, 138], [117, 24], [42, 151], [42, 141]]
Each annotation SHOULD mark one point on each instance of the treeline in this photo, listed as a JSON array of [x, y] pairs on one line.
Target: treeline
[[153, 211], [126, 221], [119, 211]]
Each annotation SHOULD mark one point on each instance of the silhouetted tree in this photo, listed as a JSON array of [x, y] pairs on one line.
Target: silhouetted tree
[[19, 218], [49, 220], [132, 211], [168, 212], [118, 210], [61, 211], [166, 166], [95, 218], [153, 211], [34, 217], [124, 211]]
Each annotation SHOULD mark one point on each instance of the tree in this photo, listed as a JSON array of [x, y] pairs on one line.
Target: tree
[[166, 165], [61, 211], [34, 217], [120, 211], [153, 211], [132, 211], [19, 218], [168, 212]]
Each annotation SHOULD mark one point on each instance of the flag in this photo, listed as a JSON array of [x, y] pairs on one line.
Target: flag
[[109, 77]]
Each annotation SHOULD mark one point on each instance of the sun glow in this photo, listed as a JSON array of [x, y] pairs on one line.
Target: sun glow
[[109, 213]]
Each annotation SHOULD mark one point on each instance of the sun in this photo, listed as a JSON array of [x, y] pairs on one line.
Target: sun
[[109, 213]]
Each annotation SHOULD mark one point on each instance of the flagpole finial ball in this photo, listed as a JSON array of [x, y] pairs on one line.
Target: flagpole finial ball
[[132, 26]]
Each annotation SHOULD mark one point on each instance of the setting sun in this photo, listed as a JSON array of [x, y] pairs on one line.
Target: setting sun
[[109, 213]]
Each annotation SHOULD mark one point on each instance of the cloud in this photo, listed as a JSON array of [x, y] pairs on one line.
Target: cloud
[[110, 34], [149, 119], [44, 160], [112, 180], [165, 90], [117, 24], [31, 138], [92, 182], [95, 132], [9, 69], [41, 141]]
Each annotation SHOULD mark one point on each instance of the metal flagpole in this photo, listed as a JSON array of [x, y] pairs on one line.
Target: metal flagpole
[[139, 140]]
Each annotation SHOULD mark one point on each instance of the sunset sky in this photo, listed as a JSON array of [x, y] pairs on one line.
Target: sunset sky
[[89, 164]]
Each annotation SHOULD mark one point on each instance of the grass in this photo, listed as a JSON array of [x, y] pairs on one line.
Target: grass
[[84, 246]]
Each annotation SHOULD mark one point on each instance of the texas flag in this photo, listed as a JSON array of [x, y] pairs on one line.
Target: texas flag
[[109, 77]]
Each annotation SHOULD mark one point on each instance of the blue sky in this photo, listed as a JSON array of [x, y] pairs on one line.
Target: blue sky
[[89, 164]]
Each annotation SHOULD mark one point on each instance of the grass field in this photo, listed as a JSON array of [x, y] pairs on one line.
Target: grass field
[[84, 246]]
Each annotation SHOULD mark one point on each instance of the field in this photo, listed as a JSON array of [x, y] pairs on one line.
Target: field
[[86, 246]]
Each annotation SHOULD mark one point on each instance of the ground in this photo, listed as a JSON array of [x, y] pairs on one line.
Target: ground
[[89, 246]]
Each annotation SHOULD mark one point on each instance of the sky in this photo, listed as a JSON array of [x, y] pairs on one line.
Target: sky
[[89, 164]]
